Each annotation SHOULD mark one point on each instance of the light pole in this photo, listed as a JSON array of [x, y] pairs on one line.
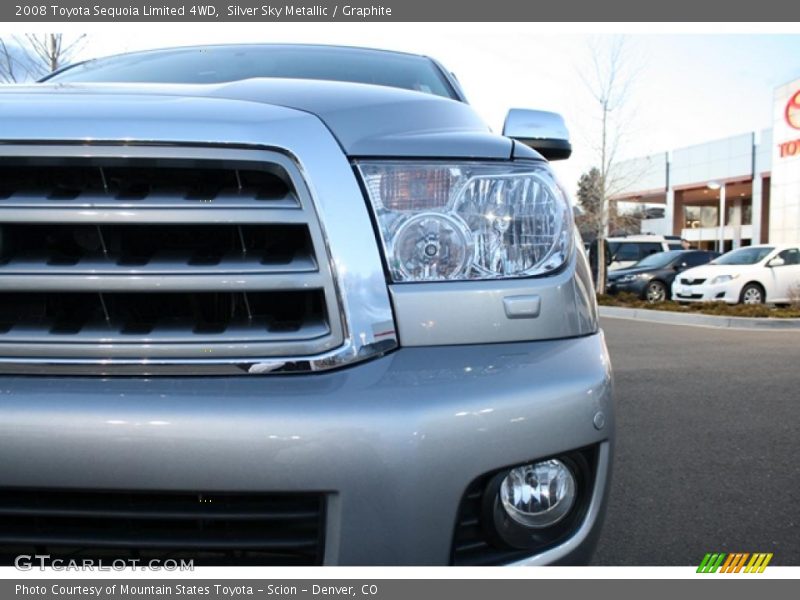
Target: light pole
[[713, 185]]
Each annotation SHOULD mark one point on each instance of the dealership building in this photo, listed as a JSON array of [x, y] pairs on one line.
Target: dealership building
[[727, 193]]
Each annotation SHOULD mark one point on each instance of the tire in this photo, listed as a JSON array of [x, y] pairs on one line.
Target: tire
[[656, 291], [752, 293]]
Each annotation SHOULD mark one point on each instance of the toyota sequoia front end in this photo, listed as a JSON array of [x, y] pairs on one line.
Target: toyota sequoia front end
[[288, 320]]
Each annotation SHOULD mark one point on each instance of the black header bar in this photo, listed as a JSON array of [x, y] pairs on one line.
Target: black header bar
[[400, 10]]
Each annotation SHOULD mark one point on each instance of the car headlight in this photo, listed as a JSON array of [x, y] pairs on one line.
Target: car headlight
[[723, 279], [626, 279], [457, 221]]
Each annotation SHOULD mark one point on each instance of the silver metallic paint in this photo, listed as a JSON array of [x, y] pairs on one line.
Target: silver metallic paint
[[366, 120], [396, 440], [473, 312]]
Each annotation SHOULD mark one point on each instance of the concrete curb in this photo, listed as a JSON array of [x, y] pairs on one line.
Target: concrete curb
[[673, 318]]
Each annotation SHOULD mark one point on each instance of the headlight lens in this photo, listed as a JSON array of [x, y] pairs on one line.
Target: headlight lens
[[442, 221], [626, 279], [723, 279]]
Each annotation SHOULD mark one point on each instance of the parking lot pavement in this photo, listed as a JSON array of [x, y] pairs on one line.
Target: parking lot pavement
[[708, 444]]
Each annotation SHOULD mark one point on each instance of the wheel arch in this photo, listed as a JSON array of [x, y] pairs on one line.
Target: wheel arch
[[667, 288], [756, 283]]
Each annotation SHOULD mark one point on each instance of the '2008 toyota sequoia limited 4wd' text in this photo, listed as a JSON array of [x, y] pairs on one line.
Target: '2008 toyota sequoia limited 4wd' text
[[292, 305]]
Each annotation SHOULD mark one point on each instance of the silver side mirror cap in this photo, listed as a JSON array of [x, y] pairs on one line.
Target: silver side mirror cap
[[543, 131]]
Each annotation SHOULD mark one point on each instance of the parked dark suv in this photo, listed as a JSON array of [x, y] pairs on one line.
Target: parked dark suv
[[651, 278]]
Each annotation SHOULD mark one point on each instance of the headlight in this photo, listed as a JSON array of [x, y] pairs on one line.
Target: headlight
[[723, 279], [441, 221], [626, 279]]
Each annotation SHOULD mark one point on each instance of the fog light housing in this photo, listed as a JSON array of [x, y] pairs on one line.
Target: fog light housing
[[538, 495]]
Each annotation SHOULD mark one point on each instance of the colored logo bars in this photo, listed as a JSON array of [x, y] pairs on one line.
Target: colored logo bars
[[735, 562]]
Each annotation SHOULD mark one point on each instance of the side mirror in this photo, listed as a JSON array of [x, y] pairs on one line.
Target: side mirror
[[681, 266], [543, 131], [776, 262]]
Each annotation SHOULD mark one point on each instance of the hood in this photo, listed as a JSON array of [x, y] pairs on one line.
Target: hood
[[366, 120], [710, 271], [617, 273]]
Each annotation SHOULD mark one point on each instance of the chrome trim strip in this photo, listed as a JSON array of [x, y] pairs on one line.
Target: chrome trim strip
[[117, 214], [144, 281]]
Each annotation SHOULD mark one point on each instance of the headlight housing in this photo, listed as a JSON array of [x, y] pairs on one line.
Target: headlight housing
[[474, 220], [723, 279], [627, 278]]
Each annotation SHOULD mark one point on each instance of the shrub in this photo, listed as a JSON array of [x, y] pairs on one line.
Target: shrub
[[721, 309]]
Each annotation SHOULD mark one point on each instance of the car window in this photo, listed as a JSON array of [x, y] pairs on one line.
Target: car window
[[649, 248], [694, 259], [790, 256], [658, 260], [675, 246], [744, 256], [627, 251]]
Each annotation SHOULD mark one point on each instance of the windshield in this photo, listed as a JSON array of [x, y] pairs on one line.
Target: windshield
[[656, 261], [743, 256], [233, 63]]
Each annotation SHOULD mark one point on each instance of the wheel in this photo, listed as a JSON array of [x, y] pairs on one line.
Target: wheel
[[752, 293], [656, 291]]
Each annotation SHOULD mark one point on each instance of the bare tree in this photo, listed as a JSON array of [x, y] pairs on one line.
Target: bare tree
[[33, 55], [593, 217], [609, 80], [52, 50]]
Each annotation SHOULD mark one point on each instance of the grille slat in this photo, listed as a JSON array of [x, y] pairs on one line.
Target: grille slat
[[85, 200], [271, 323], [171, 541], [149, 258], [149, 513], [215, 528], [153, 249], [51, 180], [10, 213], [157, 333], [177, 280]]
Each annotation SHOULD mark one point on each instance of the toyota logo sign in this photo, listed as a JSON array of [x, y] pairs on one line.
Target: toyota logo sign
[[793, 111]]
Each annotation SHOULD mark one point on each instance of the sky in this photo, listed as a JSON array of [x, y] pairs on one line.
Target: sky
[[684, 88]]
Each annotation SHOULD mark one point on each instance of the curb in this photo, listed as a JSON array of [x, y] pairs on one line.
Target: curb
[[674, 318]]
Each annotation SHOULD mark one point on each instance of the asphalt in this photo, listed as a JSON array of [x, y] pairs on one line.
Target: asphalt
[[707, 456]]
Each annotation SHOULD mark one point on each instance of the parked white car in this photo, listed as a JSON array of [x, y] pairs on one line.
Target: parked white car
[[750, 275]]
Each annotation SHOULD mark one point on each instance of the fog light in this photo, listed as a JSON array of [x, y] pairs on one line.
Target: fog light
[[538, 495]]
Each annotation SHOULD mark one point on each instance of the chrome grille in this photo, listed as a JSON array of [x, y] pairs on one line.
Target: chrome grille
[[138, 254]]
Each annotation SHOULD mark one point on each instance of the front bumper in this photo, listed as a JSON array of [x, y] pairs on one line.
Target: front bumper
[[394, 442], [637, 287], [706, 292]]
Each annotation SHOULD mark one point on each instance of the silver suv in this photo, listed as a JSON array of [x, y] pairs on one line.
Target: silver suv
[[292, 305]]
